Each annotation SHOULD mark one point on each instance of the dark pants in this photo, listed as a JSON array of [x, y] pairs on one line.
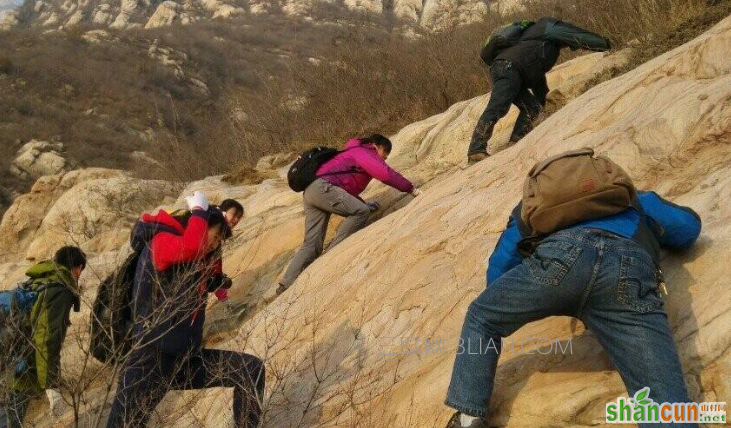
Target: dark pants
[[507, 88], [609, 283], [13, 410], [148, 376]]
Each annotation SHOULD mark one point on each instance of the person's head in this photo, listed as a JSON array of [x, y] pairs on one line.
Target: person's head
[[71, 258], [218, 229], [382, 144], [232, 211]]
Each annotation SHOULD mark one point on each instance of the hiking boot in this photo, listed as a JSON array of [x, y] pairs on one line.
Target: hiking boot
[[473, 158], [281, 289], [272, 295], [455, 422]]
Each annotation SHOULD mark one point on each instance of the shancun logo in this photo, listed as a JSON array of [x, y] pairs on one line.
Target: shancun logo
[[643, 409]]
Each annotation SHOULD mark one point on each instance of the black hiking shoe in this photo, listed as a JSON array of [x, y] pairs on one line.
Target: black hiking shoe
[[455, 423], [473, 158]]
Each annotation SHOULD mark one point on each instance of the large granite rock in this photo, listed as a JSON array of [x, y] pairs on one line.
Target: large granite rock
[[126, 14], [92, 208], [38, 158], [413, 273]]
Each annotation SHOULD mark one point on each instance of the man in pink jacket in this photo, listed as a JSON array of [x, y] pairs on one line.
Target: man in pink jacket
[[340, 181]]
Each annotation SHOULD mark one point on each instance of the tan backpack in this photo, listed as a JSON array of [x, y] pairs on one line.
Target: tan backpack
[[572, 187]]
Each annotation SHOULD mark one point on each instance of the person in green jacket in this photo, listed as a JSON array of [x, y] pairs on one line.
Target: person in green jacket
[[57, 282]]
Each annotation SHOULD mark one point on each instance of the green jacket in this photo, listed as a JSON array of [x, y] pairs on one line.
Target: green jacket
[[49, 320]]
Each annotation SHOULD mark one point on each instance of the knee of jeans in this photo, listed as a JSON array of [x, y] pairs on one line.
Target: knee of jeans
[[476, 314]]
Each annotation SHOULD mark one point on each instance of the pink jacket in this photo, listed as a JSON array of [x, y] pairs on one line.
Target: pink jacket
[[365, 163]]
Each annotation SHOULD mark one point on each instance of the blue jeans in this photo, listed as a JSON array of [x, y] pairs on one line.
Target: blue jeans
[[12, 411], [609, 283]]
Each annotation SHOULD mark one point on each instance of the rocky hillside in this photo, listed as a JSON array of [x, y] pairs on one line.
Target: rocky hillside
[[413, 271], [127, 14]]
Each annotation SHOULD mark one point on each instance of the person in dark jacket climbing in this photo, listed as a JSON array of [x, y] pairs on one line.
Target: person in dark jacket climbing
[[604, 272], [57, 282], [518, 74], [171, 285], [341, 180]]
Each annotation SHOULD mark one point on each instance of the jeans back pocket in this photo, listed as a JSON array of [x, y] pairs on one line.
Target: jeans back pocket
[[552, 260], [638, 287]]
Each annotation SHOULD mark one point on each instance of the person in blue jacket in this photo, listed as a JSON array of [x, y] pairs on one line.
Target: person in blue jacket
[[604, 272]]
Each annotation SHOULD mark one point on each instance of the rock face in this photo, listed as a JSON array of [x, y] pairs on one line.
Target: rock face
[[340, 345], [92, 208], [136, 13], [38, 158], [413, 273]]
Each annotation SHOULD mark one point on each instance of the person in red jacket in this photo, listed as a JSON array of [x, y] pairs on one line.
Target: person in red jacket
[[341, 180], [169, 296], [218, 283]]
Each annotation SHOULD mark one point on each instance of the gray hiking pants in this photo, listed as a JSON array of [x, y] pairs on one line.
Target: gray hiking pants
[[320, 200]]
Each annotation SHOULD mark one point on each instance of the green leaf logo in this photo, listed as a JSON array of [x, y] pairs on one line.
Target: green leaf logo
[[641, 397]]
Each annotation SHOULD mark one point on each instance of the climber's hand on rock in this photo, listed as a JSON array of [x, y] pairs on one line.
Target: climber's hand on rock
[[416, 192]]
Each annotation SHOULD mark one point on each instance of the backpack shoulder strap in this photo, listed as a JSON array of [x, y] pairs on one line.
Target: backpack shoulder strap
[[530, 239], [349, 171]]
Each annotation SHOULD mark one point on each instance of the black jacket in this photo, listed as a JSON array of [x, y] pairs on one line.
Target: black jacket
[[539, 48]]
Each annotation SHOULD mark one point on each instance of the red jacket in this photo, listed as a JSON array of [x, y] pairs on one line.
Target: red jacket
[[169, 290]]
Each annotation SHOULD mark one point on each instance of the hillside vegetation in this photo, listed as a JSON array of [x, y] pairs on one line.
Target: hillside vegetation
[[413, 271], [207, 97]]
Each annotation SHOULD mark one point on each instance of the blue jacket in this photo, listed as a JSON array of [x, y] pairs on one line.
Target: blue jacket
[[672, 226]]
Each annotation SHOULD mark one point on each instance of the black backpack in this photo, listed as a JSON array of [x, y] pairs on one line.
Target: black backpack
[[304, 169], [503, 37], [111, 315]]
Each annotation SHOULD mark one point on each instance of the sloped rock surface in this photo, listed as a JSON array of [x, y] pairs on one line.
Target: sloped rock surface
[[413, 273]]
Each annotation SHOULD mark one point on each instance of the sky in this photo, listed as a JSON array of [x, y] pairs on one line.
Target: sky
[[6, 5]]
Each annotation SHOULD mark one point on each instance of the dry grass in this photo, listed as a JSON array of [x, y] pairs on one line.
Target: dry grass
[[371, 82], [266, 94]]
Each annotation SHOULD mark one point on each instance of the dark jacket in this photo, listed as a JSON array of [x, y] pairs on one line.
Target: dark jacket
[[539, 48], [170, 282], [670, 225], [49, 320]]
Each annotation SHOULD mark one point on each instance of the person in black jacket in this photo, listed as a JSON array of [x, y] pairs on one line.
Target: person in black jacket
[[518, 74]]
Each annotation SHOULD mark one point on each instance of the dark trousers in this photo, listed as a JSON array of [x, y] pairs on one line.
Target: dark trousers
[[149, 375], [13, 410], [507, 88]]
